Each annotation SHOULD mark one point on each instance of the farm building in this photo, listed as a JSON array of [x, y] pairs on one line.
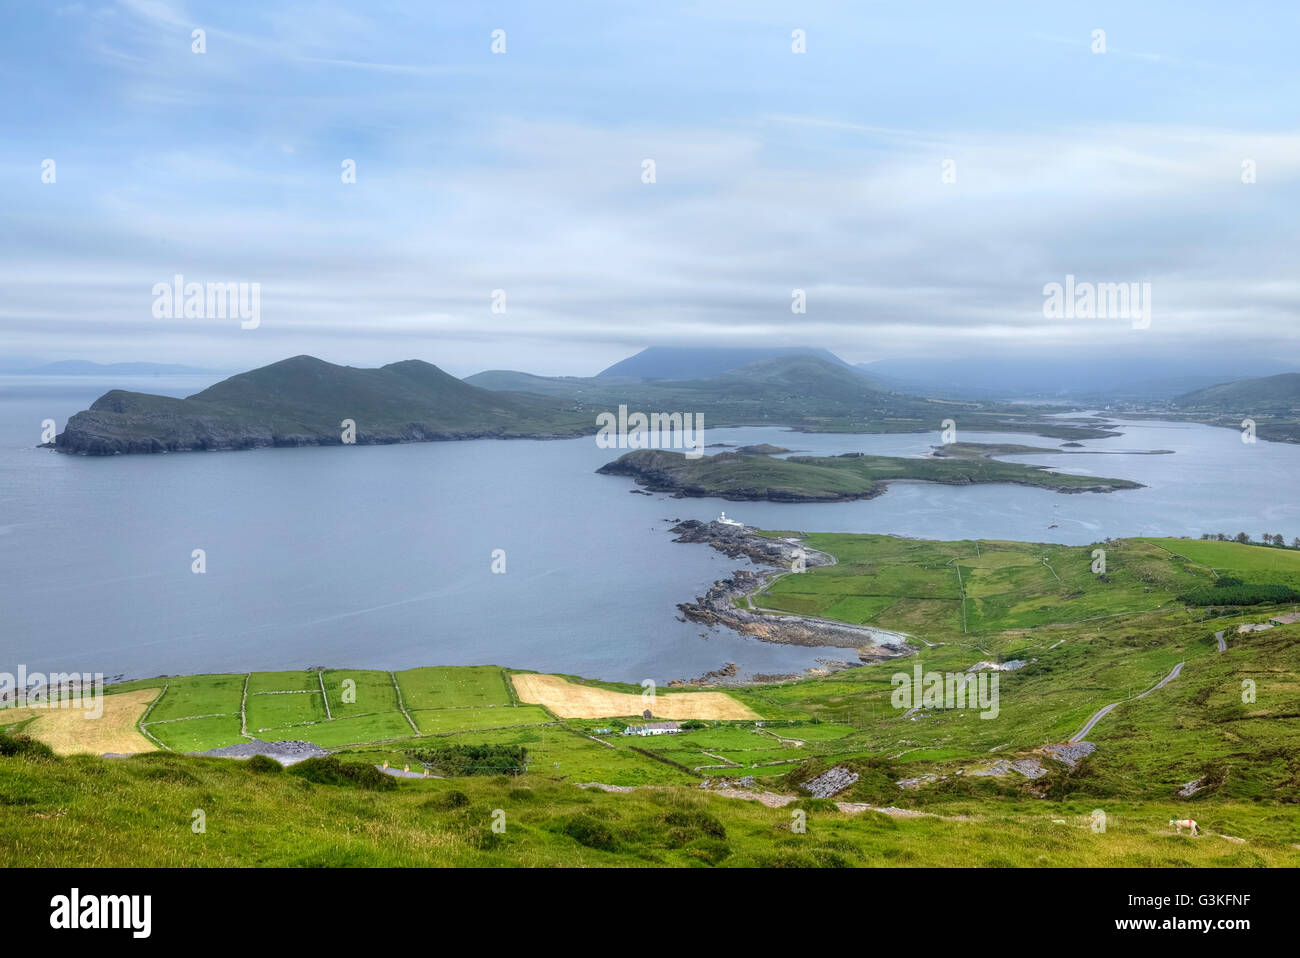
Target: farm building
[[1290, 618], [653, 728]]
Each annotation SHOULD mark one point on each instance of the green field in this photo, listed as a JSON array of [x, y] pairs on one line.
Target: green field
[[200, 712], [941, 589], [198, 734], [196, 695], [346, 731], [275, 709], [445, 687], [1264, 564], [431, 721], [359, 693]]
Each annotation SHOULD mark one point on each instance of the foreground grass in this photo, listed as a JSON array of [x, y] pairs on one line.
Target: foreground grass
[[86, 811]]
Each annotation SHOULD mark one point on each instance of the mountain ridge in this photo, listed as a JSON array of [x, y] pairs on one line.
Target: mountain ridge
[[702, 362]]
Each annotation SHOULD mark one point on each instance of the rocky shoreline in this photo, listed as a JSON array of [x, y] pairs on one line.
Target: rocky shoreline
[[718, 606], [82, 439]]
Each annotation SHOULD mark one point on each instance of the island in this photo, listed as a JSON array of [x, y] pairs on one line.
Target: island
[[729, 475]]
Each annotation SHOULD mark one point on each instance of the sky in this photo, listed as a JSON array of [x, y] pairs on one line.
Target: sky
[[523, 171]]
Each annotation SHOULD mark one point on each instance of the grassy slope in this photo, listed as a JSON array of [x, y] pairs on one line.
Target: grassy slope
[[1273, 402], [54, 813], [914, 584]]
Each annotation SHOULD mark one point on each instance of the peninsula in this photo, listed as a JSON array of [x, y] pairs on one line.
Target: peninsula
[[305, 401]]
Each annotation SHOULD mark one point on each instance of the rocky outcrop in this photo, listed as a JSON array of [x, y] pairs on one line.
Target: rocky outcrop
[[1070, 753], [830, 783], [286, 753], [719, 605]]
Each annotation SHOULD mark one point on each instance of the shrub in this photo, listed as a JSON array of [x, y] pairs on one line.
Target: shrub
[[24, 746], [589, 831], [448, 800], [328, 770], [710, 851], [461, 760], [263, 763], [164, 773], [695, 822]]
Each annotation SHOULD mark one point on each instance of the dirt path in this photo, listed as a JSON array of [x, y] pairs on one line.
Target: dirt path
[[1103, 712], [401, 705]]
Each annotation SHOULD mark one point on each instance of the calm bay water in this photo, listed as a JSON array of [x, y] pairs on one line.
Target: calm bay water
[[380, 557]]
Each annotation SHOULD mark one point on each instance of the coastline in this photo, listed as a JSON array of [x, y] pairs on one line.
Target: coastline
[[718, 606]]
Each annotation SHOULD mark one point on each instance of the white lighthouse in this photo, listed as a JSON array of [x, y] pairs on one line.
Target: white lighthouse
[[729, 522]]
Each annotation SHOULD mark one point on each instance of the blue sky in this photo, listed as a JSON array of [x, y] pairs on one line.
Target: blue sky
[[522, 172]]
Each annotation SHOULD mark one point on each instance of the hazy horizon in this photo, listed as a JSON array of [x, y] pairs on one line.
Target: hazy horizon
[[1129, 369]]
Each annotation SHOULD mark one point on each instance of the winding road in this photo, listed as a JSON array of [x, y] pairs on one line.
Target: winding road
[[1103, 712], [1218, 637]]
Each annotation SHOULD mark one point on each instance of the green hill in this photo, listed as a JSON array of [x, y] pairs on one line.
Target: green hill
[[1245, 393], [1271, 402], [702, 362], [304, 401], [806, 392]]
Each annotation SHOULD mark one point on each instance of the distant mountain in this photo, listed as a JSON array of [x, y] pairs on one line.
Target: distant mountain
[[780, 389], [1084, 378], [804, 376], [303, 401], [689, 362], [1246, 393], [509, 380], [1271, 404], [802, 390], [81, 367]]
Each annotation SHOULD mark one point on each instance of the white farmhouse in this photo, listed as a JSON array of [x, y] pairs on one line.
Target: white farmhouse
[[653, 728]]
